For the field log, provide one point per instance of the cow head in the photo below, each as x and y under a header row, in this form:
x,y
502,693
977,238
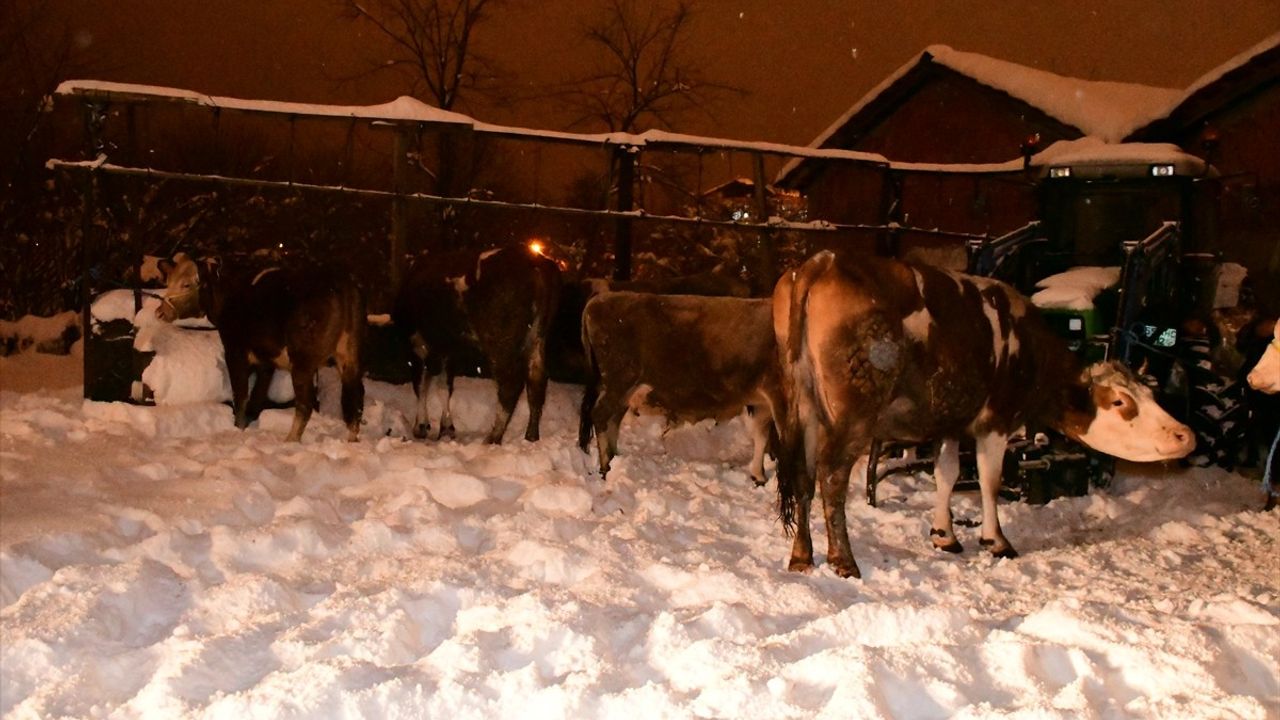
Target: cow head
x,y
1265,376
183,277
1116,413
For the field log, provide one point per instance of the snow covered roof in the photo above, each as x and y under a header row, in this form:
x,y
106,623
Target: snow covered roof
x,y
1103,109
1093,151
1234,63
1109,110
1205,85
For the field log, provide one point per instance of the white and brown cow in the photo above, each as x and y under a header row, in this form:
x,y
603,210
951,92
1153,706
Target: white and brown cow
x,y
294,316
686,357
875,348
1265,375
492,307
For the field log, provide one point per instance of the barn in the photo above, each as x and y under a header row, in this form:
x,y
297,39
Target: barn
x,y
961,129
956,124
1229,117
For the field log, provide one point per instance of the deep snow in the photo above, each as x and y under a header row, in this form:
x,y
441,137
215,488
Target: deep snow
x,y
156,562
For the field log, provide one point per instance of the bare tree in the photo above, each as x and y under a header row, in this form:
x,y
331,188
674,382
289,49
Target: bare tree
x,y
432,42
37,51
645,76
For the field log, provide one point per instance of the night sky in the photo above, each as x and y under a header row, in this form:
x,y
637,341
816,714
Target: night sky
x,y
803,65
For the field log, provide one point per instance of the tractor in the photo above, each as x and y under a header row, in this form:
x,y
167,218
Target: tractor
x,y
1119,260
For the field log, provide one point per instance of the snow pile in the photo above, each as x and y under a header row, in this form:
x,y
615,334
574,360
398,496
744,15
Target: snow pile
x,y
156,562
1074,289
1089,151
187,363
46,334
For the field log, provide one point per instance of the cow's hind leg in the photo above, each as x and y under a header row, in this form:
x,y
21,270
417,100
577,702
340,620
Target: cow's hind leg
x,y
447,430
802,545
238,372
761,428
946,470
990,464
536,388
420,375
834,479
263,373
510,383
352,398
606,417
304,399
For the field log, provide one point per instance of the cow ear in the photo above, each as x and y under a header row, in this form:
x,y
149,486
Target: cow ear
x,y
1087,374
165,266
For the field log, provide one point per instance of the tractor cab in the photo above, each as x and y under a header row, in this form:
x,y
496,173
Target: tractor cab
x,y
1140,209
1115,260
1118,261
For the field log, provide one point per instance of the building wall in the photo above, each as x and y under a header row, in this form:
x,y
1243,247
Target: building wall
x,y
1248,160
946,119
849,193
954,119
983,203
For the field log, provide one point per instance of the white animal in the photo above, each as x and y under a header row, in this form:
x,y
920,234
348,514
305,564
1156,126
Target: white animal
x,y
1265,376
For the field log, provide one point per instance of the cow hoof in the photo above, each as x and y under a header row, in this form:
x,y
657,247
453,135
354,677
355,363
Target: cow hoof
x,y
531,436
954,547
846,571
420,431
1271,503
801,566
1005,552
447,432
759,481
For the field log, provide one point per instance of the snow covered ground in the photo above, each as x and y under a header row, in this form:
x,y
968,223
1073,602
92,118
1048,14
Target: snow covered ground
x,y
156,562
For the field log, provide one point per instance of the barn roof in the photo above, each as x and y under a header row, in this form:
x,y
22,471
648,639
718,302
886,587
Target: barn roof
x,y
1236,78
1103,109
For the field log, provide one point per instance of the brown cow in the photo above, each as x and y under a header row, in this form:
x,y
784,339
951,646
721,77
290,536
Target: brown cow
x,y
497,304
566,356
687,357
875,348
295,318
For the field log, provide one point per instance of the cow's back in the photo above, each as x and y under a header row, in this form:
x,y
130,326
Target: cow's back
x,y
307,307
952,352
692,357
513,290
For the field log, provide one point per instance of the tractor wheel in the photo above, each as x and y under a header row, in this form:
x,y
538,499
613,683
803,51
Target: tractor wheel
x,y
1215,409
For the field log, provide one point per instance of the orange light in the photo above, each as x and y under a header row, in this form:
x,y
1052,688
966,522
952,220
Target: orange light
x,y
535,247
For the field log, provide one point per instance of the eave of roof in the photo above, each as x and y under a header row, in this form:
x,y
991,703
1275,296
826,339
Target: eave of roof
x,y
1213,89
1102,109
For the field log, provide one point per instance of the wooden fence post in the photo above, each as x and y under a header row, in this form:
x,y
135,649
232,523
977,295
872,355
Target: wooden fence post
x,y
95,116
399,209
625,163
766,253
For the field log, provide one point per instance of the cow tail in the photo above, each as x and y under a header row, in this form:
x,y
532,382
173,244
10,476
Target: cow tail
x,y
591,387
795,468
